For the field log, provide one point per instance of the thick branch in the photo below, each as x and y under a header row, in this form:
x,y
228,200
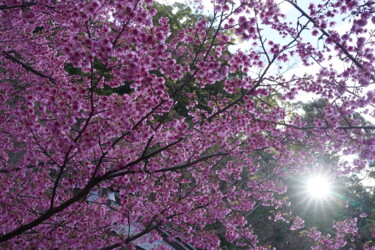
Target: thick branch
x,y
25,66
50,212
176,167
114,173
6,7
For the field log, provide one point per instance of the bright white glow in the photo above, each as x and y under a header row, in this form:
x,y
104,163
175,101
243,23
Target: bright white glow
x,y
318,187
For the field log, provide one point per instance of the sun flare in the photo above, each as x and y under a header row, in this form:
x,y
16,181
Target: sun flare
x,y
318,187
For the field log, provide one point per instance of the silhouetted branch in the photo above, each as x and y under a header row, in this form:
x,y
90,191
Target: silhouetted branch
x,y
27,67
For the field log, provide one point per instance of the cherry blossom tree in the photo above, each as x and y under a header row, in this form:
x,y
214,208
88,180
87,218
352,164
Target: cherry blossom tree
x,y
63,138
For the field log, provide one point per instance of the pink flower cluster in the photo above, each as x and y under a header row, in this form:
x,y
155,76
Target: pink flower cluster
x,y
186,134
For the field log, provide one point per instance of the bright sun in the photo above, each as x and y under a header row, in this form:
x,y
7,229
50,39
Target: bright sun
x,y
318,186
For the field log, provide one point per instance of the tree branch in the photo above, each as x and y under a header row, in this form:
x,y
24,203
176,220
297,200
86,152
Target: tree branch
x,y
6,7
325,33
51,212
320,127
25,66
114,173
176,167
